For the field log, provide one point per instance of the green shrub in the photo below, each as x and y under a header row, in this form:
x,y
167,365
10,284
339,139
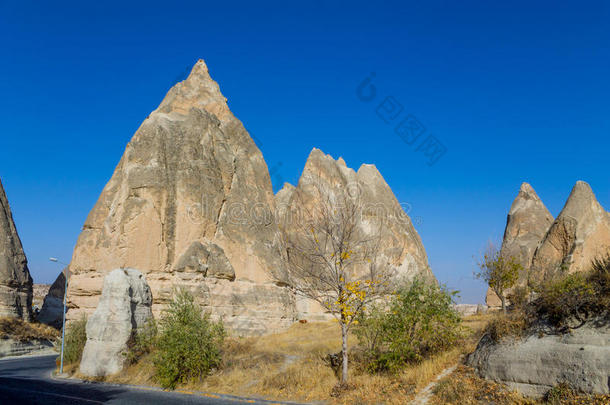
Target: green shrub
x,y
570,299
419,321
188,345
560,394
574,299
75,339
142,342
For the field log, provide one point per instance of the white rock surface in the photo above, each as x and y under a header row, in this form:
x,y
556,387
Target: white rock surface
x,y
536,364
124,307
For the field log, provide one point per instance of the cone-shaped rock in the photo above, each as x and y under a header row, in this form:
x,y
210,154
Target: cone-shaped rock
x,y
15,279
53,305
324,176
190,204
527,223
579,234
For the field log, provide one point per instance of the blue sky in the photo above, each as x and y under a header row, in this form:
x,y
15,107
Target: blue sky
x,y
514,92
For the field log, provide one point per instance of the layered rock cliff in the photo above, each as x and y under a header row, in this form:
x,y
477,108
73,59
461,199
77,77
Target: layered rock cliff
x,y
15,279
190,204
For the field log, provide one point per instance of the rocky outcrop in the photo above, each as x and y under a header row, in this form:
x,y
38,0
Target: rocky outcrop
x,y
526,225
15,279
124,308
326,178
53,305
15,347
190,204
535,364
579,234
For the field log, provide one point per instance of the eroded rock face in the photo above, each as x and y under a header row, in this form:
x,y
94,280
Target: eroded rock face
x,y
124,307
53,305
536,364
15,279
527,223
190,205
580,234
382,214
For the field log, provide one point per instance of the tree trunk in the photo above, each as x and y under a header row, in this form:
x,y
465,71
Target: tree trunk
x,y
503,303
344,353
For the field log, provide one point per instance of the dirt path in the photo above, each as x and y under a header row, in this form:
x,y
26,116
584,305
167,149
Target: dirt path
x,y
424,395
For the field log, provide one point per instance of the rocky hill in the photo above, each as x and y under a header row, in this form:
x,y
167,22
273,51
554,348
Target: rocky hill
x,y
15,279
190,204
545,246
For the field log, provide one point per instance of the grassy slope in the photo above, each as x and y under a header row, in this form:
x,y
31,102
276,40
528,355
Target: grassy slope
x,y
291,365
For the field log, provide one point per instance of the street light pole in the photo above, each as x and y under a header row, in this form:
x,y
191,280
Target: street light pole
x,y
63,324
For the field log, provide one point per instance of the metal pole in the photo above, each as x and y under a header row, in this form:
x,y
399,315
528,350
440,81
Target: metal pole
x,y
63,327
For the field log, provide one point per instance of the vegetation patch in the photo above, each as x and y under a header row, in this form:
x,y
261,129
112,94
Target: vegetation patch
x,y
419,322
76,337
465,387
576,298
188,345
17,329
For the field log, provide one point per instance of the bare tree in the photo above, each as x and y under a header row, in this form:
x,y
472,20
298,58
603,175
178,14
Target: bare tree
x,y
333,260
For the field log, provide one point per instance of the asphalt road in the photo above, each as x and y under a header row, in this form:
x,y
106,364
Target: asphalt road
x,y
28,380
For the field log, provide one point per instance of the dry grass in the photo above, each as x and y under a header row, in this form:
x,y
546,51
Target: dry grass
x,y
464,387
291,366
12,328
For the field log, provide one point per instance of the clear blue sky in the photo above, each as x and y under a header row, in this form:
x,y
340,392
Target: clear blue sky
x,y
515,92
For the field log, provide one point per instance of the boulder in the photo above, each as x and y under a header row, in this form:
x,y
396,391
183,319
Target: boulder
x,y
527,223
53,305
190,204
535,364
124,307
579,234
15,279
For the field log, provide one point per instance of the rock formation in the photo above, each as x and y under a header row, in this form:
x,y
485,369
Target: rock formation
x,y
579,234
323,177
15,279
526,225
547,248
190,204
52,308
125,307
536,364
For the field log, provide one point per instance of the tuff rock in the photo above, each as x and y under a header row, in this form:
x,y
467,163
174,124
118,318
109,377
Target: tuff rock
x,y
579,234
51,312
535,364
190,204
123,309
15,279
526,225
326,178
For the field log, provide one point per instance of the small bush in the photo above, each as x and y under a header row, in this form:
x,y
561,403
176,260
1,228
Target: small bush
x,y
76,337
573,298
420,321
142,342
189,343
519,297
512,324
